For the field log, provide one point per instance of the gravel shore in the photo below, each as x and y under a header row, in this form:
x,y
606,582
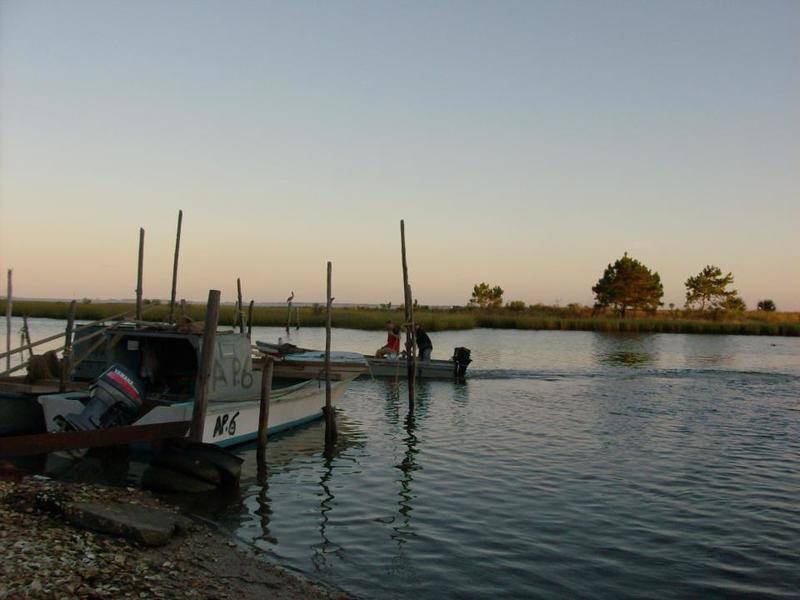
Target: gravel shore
x,y
44,556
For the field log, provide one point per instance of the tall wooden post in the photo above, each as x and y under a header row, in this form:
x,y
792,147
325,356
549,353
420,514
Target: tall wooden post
x,y
26,335
139,276
250,320
206,366
9,299
263,413
289,311
175,269
410,354
66,361
330,415
240,307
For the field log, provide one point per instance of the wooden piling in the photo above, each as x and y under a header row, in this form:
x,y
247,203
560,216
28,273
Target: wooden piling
x,y
330,415
175,269
240,306
26,335
205,367
409,315
66,361
9,300
263,413
289,311
139,276
250,319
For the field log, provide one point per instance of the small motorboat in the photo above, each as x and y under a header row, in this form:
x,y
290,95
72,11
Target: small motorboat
x,y
296,360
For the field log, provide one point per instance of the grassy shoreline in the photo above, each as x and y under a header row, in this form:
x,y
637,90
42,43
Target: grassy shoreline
x,y
546,318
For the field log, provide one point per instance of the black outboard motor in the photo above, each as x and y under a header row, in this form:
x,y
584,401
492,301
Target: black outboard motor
x,y
461,358
115,399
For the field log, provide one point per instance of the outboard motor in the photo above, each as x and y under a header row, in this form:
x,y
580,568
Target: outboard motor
x,y
461,358
115,399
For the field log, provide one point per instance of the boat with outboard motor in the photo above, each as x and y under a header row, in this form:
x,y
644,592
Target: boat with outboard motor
x,y
149,379
390,366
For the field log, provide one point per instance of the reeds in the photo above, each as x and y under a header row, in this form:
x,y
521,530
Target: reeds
x,y
546,318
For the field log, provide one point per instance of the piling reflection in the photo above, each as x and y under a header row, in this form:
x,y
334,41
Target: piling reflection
x,y
403,530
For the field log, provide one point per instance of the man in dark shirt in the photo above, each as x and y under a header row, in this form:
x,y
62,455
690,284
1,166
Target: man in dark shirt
x,y
424,344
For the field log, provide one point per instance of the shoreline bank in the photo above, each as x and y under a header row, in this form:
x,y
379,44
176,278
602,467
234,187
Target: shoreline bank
x,y
48,556
373,319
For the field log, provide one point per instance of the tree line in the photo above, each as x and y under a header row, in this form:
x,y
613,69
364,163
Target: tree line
x,y
628,285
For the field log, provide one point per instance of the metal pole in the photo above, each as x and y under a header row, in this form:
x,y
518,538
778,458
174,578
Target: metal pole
x,y
206,365
175,269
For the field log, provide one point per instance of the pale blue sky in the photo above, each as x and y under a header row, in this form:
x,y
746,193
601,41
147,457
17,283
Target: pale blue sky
x,y
526,144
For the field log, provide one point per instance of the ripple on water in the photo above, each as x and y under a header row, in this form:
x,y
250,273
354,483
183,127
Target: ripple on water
x,y
670,477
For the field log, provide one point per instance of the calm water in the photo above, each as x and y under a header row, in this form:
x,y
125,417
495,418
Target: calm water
x,y
569,464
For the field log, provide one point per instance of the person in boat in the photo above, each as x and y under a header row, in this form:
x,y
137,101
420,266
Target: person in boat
x,y
424,343
392,346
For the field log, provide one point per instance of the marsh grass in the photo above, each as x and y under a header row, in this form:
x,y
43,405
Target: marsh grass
x,y
570,318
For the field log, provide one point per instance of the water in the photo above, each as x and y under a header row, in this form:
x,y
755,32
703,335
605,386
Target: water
x,y
569,464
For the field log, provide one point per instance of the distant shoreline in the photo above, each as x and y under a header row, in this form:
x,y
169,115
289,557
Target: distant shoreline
x,y
533,318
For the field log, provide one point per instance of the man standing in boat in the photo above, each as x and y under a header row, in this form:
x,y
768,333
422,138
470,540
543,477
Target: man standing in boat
x,y
392,346
424,343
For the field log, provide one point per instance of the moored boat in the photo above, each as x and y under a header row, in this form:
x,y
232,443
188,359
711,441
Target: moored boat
x,y
150,379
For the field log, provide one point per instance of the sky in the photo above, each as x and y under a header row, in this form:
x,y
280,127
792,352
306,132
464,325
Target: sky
x,y
526,144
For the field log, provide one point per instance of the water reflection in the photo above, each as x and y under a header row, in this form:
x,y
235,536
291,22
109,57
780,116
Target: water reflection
x,y
402,530
325,545
630,350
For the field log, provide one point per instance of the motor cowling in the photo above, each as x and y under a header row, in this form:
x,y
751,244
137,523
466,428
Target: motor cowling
x,y
115,399
461,358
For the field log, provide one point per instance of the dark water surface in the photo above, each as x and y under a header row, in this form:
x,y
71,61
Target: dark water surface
x,y
569,464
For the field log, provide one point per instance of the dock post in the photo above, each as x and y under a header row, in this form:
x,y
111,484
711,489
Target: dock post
x,y
410,357
9,297
66,361
205,367
240,306
250,319
26,336
289,311
330,414
263,413
175,269
139,276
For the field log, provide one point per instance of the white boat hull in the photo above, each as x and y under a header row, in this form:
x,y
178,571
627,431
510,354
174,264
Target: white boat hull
x,y
227,423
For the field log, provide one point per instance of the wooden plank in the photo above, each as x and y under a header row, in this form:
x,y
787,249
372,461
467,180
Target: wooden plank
x,y
116,317
25,445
